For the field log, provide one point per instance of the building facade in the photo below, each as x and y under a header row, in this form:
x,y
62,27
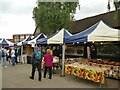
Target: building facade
x,y
20,37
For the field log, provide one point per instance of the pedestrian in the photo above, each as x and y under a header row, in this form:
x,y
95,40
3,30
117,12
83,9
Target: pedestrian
x,y
56,58
48,58
19,55
3,57
56,52
0,52
36,63
16,55
8,55
13,56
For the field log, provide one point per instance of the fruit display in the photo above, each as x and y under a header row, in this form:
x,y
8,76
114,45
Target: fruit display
x,y
113,68
69,69
93,73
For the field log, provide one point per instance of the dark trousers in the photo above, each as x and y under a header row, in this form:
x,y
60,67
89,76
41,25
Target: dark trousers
x,y
38,66
50,72
16,59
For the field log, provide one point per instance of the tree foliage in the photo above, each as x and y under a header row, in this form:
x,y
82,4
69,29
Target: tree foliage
x,y
117,5
52,16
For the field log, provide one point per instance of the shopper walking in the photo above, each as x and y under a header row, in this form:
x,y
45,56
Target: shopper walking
x,y
48,58
0,51
36,63
13,56
19,55
16,55
3,57
8,56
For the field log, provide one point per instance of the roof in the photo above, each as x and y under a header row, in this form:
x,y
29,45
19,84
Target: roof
x,y
98,32
83,24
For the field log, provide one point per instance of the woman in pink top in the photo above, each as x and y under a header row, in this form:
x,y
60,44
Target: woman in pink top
x,y
48,58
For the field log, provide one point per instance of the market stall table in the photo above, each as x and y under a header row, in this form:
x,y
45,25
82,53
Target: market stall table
x,y
93,73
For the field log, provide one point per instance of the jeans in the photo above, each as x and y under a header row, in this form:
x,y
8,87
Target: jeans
x,y
13,61
38,66
3,61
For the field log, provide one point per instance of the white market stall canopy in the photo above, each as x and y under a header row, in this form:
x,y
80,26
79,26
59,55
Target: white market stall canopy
x,y
98,32
44,40
40,36
27,39
59,37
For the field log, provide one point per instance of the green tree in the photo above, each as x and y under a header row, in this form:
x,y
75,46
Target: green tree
x,y
52,16
117,4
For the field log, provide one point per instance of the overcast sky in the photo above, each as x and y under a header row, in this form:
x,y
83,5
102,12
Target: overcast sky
x,y
16,15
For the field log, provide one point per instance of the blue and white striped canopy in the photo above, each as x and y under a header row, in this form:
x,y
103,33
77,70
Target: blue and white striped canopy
x,y
5,42
44,40
24,41
98,32
40,36
56,38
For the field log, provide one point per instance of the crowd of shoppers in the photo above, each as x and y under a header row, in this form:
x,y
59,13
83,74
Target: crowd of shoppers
x,y
39,55
8,54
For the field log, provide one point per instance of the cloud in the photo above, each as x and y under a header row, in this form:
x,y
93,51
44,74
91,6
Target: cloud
x,y
91,8
17,25
16,7
16,17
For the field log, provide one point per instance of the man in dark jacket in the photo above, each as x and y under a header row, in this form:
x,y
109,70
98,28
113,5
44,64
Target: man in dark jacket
x,y
36,63
0,51
16,55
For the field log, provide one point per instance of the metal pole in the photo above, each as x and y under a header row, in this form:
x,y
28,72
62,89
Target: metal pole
x,y
88,52
63,59
21,54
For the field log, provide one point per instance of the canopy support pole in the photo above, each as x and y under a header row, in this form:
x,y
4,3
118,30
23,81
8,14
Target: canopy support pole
x,y
88,52
63,60
21,59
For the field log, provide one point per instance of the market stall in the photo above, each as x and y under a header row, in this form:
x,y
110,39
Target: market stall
x,y
25,40
24,49
96,33
93,73
94,70
33,41
5,42
99,32
57,38
112,68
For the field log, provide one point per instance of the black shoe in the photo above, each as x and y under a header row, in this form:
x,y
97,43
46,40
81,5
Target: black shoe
x,y
50,78
31,77
39,79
